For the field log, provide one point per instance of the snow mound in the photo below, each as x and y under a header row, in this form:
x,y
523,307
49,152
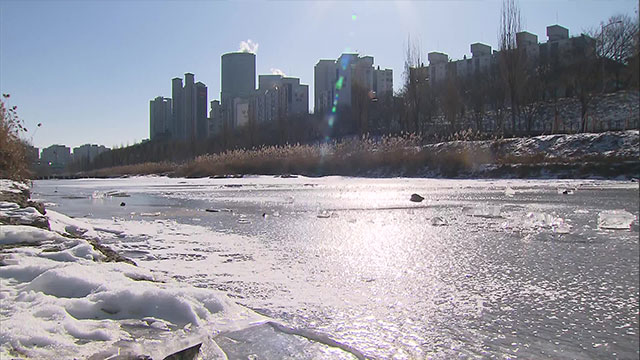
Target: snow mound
x,y
15,234
65,225
13,186
21,216
59,301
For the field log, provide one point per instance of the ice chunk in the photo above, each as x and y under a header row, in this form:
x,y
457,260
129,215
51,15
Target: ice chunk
x,y
560,227
489,211
97,195
151,214
543,220
324,214
615,219
438,221
535,219
509,192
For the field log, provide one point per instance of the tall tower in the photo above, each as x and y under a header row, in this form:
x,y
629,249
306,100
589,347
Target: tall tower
x,y
177,120
201,111
238,81
189,107
159,118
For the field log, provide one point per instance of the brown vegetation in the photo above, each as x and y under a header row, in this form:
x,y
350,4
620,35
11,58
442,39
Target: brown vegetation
x,y
463,155
13,155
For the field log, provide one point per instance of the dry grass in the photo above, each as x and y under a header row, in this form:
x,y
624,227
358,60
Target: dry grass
x,y
149,168
13,156
386,156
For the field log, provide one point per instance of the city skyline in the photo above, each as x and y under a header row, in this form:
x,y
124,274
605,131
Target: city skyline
x,y
86,80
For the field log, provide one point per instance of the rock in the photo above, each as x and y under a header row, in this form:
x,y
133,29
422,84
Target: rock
x,y
416,198
38,206
212,210
122,204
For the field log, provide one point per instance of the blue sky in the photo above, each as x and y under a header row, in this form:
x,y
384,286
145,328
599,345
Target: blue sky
x,y
86,70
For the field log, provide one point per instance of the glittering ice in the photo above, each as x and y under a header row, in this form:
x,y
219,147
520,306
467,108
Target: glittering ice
x,y
615,219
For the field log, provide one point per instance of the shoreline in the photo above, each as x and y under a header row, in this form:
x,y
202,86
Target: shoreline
x,y
608,155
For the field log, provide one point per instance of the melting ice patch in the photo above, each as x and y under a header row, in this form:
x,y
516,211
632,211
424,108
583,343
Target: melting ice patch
x,y
615,220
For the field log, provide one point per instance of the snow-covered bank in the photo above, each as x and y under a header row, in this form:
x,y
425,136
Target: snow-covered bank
x,y
59,300
583,155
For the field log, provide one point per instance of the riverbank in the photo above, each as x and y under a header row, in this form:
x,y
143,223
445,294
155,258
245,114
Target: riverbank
x,y
605,155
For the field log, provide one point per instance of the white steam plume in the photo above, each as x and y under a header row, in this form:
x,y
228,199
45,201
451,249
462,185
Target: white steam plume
x,y
249,46
275,71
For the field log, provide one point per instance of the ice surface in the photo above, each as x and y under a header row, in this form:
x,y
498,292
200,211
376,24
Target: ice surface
x,y
615,219
282,280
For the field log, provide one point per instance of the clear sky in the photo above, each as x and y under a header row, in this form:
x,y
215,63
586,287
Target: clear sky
x,y
86,70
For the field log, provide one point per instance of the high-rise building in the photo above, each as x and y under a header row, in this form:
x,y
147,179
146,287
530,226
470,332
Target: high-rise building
x,y
177,122
201,111
559,49
189,107
215,119
324,82
160,118
88,152
334,80
382,82
279,97
56,156
238,83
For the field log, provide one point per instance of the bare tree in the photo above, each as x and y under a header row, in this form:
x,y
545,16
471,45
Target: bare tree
x,y
477,97
617,38
531,97
510,57
452,103
496,94
360,102
412,84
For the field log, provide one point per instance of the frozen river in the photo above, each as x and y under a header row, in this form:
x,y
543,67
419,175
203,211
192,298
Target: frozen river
x,y
480,268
